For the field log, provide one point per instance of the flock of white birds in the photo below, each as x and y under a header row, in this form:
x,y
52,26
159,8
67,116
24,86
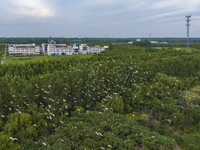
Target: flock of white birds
x,y
85,83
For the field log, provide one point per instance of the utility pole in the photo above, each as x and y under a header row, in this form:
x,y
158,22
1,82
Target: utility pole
x,y
188,24
149,37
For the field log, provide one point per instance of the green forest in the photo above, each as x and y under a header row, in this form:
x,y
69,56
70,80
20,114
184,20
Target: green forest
x,y
129,97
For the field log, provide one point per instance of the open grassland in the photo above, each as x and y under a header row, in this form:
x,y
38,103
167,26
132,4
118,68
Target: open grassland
x,y
29,58
119,51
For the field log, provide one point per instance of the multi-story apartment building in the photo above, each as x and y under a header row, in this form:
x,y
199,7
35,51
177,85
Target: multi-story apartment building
x,y
59,49
54,49
21,49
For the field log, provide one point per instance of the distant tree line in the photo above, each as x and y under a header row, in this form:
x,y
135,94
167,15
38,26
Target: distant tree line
x,y
96,41
142,43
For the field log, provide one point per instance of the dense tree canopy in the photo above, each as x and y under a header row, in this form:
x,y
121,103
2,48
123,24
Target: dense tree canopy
x,y
124,98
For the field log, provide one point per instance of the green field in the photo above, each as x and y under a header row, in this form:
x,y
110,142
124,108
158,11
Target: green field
x,y
24,59
29,58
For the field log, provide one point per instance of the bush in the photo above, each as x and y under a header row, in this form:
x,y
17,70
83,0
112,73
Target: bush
x,y
112,103
23,126
6,142
96,130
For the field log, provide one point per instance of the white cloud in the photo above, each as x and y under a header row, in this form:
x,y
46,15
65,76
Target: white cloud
x,y
196,17
32,8
165,4
97,17
101,2
190,5
170,9
162,15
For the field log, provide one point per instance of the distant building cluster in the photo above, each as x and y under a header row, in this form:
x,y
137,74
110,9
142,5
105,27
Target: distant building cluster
x,y
152,42
156,42
54,49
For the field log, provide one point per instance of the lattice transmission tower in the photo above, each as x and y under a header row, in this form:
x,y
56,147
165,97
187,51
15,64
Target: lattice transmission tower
x,y
188,24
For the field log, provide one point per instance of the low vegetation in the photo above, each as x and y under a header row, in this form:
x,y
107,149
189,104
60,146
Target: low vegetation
x,y
22,59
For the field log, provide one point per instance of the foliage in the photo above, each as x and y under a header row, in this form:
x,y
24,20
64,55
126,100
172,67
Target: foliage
x,y
142,43
6,143
24,126
77,110
40,102
2,50
112,103
30,144
189,142
95,130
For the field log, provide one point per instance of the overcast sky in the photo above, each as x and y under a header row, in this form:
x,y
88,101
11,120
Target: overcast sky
x,y
98,18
